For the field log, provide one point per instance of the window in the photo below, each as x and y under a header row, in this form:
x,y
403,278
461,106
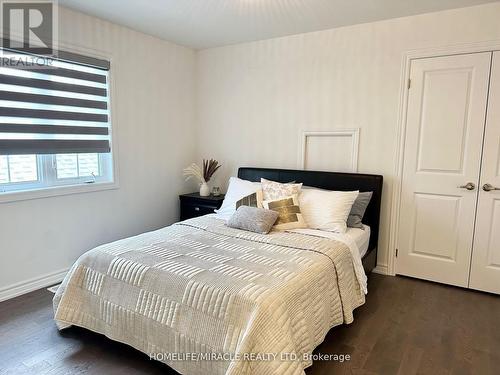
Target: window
x,y
54,121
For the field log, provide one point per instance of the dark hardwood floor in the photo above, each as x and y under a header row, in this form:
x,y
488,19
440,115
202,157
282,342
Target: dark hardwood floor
x,y
407,326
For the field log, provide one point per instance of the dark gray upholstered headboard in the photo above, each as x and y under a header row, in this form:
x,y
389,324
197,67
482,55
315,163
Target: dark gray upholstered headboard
x,y
329,181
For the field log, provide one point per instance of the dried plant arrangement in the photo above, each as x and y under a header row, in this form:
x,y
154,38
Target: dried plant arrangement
x,y
209,168
203,175
194,170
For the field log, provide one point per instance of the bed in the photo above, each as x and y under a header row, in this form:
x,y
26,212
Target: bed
x,y
208,299
333,181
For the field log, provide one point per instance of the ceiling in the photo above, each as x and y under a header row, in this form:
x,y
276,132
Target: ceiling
x,y
211,23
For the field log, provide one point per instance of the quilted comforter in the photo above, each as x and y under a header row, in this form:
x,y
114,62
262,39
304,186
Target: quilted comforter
x,y
208,299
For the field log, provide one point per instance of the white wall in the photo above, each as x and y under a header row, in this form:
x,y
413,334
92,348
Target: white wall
x,y
251,101
153,102
254,99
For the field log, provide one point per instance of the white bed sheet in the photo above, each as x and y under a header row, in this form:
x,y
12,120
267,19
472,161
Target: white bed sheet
x,y
360,237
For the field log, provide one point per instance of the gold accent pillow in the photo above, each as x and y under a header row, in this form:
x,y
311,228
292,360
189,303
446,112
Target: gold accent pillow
x,y
290,216
273,190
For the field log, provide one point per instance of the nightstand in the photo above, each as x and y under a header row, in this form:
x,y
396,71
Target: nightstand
x,y
193,205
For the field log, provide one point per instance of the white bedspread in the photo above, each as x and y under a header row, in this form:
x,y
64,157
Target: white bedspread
x,y
353,247
201,288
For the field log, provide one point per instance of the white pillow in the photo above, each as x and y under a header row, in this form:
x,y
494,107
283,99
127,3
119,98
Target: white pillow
x,y
327,210
237,190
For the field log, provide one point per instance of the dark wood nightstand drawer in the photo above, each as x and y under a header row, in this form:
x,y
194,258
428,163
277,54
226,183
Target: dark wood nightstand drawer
x,y
192,205
193,210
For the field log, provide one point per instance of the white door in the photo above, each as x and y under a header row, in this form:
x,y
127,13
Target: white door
x,y
485,267
444,136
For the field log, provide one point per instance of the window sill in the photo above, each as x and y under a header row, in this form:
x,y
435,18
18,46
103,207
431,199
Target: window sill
x,y
56,191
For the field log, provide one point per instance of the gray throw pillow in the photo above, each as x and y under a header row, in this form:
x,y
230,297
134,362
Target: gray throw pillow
x,y
358,210
253,219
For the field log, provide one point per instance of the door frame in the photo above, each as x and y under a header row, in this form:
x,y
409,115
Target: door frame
x,y
408,56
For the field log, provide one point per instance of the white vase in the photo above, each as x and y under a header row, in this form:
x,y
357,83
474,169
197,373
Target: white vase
x,y
204,190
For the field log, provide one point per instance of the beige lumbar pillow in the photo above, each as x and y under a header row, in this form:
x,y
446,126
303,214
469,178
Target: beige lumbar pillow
x,y
289,214
273,190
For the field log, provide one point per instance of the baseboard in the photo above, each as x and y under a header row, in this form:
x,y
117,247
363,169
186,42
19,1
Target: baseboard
x,y
31,285
381,269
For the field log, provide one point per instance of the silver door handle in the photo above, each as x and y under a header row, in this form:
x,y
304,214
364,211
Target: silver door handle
x,y
489,187
468,186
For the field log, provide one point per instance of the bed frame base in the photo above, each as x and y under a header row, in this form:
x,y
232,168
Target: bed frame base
x,y
370,261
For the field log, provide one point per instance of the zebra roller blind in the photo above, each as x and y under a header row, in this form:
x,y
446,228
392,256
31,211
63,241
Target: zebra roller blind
x,y
54,106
